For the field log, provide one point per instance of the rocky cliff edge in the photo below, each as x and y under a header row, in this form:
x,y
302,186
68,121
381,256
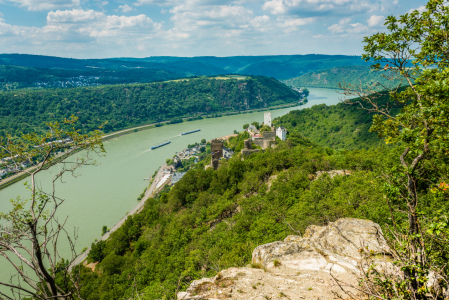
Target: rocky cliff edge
x,y
300,267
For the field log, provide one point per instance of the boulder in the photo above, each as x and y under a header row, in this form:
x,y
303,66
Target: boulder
x,y
344,243
300,267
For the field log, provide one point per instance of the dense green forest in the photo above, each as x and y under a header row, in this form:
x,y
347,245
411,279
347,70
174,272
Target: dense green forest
x,y
123,106
355,75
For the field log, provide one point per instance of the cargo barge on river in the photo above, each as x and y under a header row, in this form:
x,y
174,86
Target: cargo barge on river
x,y
189,132
160,145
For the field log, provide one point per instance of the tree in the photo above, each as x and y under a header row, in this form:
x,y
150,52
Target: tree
x,y
415,50
30,232
203,141
265,128
256,124
245,126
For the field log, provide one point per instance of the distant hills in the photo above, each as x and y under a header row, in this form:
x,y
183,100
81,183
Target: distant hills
x,y
330,78
279,67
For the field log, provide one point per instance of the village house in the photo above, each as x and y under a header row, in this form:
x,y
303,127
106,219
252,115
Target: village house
x,y
227,153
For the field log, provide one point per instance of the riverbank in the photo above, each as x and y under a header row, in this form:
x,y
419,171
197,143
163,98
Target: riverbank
x,y
24,174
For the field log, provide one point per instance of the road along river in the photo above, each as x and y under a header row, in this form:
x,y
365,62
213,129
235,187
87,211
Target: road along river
x,y
103,194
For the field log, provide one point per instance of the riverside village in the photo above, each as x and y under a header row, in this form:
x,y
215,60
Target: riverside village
x,y
260,137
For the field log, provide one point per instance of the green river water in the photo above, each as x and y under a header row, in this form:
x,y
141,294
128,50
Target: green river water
x,y
103,194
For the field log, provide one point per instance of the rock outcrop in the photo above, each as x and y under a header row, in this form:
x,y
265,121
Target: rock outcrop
x,y
299,267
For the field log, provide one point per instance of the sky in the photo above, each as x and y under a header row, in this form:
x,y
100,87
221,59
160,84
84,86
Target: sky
x,y
143,28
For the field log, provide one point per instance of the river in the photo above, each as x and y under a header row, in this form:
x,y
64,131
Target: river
x,y
103,194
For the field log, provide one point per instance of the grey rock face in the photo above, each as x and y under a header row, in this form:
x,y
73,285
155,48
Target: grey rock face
x,y
343,243
300,267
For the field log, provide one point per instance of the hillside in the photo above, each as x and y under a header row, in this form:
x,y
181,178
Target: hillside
x,y
340,126
124,106
330,78
337,126
213,220
16,77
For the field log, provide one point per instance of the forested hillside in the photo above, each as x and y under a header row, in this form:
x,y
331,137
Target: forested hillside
x,y
130,105
212,220
331,78
338,126
15,77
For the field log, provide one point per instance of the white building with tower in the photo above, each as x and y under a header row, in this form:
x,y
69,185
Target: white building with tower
x,y
281,133
267,119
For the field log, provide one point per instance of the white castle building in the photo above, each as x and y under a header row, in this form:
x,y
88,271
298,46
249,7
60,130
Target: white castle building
x,y
267,119
281,133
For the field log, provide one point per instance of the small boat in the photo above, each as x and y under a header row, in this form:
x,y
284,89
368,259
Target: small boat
x,y
188,132
160,145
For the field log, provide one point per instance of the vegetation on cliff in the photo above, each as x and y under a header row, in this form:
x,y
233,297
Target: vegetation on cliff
x,y
332,78
211,220
123,106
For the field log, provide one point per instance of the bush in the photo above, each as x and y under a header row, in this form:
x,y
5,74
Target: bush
x,y
97,251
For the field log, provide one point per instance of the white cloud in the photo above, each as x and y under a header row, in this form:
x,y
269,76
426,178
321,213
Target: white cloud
x,y
78,28
46,4
74,15
125,8
420,9
189,3
357,28
344,27
375,21
310,8
339,28
295,22
275,7
260,21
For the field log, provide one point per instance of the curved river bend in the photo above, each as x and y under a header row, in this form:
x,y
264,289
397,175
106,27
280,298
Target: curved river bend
x,y
105,193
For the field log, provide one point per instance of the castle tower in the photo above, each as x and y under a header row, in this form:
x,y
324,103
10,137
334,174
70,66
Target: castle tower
x,y
216,147
267,119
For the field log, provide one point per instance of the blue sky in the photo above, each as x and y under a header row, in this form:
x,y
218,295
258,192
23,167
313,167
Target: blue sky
x,y
142,28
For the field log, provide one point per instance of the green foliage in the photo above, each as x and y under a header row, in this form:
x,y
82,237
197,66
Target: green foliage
x,y
415,49
124,106
104,230
245,126
256,124
265,128
332,78
15,77
97,251
235,143
182,235
338,126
